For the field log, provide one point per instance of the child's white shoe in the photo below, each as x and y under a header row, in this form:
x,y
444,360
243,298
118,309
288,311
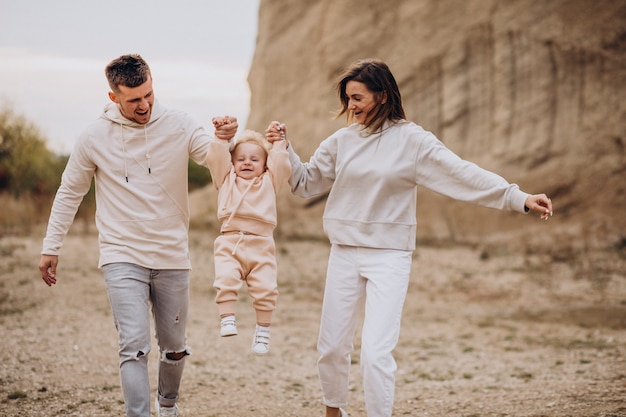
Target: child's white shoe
x,y
261,341
228,326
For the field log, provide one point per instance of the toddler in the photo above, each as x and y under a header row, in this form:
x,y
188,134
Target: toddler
x,y
247,174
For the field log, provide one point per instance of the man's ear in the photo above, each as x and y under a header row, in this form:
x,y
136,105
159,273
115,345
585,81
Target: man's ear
x,y
113,97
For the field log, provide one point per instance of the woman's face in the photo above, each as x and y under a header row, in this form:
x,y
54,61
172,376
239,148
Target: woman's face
x,y
361,101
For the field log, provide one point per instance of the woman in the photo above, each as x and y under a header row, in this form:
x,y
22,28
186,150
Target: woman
x,y
372,168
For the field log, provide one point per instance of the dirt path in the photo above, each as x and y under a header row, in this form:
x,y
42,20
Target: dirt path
x,y
485,333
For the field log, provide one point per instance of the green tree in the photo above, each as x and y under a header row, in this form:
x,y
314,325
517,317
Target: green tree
x,y
199,176
26,164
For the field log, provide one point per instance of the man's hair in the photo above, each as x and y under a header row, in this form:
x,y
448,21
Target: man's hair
x,y
251,136
377,77
128,70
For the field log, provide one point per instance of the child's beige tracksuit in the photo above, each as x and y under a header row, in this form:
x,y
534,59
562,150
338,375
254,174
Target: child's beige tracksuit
x,y
245,249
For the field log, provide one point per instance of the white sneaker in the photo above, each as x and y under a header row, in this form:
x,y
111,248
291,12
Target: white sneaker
x,y
165,411
228,326
261,341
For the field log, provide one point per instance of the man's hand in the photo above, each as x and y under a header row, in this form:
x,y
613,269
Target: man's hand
x,y
48,268
225,127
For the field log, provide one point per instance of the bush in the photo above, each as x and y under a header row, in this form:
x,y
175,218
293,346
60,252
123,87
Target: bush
x,y
199,176
27,166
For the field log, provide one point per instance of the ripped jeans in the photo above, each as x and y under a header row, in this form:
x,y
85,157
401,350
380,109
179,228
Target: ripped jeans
x,y
131,289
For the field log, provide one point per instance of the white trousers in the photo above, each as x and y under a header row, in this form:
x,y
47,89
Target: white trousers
x,y
374,281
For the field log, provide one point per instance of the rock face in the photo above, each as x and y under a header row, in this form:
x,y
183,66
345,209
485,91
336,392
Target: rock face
x,y
534,90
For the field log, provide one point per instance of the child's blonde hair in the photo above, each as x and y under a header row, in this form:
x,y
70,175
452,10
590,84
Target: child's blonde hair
x,y
251,136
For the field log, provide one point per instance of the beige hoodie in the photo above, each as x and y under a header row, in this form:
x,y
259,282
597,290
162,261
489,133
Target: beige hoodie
x,y
140,172
248,205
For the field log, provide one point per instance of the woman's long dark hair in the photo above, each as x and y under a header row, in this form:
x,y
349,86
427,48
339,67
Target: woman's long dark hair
x,y
377,77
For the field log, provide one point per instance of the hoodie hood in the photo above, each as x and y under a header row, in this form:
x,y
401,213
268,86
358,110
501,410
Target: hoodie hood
x,y
112,113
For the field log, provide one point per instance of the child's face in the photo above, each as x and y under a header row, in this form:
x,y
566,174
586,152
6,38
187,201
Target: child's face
x,y
249,160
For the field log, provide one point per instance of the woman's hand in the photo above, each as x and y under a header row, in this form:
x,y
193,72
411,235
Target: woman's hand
x,y
276,131
540,203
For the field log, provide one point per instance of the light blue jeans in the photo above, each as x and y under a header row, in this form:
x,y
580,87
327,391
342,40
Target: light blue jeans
x,y
131,290
371,281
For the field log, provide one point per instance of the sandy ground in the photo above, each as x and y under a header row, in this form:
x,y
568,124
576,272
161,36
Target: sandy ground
x,y
486,332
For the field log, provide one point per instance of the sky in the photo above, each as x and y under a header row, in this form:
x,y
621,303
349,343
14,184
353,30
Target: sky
x,y
53,54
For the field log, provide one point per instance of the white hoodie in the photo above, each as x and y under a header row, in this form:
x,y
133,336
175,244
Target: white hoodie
x,y
373,180
140,171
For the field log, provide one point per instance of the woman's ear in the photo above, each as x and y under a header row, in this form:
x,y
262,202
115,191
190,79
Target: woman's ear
x,y
384,98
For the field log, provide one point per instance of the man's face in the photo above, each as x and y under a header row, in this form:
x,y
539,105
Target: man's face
x,y
135,103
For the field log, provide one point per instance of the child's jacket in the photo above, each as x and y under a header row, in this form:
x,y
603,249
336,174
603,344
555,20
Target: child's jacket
x,y
248,206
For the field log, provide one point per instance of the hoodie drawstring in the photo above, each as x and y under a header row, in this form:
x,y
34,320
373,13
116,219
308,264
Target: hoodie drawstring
x,y
145,135
243,195
124,152
148,156
232,214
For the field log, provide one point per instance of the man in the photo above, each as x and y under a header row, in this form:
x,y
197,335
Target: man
x,y
138,153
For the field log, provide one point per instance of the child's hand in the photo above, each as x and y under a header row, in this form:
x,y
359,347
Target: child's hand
x,y
225,127
276,131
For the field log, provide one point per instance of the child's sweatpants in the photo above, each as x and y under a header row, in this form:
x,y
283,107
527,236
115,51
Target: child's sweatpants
x,y
243,257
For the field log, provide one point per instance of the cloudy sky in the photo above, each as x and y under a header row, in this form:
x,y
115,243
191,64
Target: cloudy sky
x,y
53,54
